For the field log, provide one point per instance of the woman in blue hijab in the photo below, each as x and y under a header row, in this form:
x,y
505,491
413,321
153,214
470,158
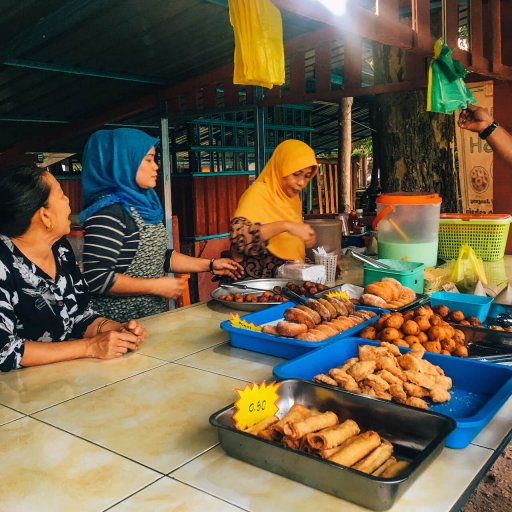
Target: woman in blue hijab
x,y
125,246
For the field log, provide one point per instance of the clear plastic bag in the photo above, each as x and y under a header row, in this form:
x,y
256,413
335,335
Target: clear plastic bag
x,y
302,271
467,270
259,49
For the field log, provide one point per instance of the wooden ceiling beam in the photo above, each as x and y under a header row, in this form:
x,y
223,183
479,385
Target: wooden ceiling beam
x,y
356,20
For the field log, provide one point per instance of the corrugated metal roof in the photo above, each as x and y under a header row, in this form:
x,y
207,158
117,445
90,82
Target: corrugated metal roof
x,y
66,61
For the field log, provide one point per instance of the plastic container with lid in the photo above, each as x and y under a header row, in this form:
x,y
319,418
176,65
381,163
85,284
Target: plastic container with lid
x,y
486,233
408,226
328,235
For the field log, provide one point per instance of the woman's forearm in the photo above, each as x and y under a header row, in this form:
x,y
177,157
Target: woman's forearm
x,y
501,143
128,285
38,353
182,263
273,229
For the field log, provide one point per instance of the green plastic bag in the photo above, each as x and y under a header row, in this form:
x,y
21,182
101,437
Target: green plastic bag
x,y
447,91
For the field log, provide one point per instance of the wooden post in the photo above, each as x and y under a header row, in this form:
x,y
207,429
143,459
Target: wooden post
x,y
345,150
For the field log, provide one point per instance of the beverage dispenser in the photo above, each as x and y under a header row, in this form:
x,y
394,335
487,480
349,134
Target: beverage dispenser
x,y
407,225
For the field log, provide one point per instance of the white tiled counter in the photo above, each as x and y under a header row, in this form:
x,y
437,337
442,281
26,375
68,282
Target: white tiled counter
x,y
133,434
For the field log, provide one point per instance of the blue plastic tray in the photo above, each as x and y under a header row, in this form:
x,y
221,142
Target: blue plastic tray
x,y
479,389
279,346
470,305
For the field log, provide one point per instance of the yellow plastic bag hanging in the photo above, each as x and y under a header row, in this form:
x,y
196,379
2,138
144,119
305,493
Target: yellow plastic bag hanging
x,y
467,269
259,50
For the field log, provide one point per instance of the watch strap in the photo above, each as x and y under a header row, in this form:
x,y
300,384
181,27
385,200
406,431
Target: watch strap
x,y
485,133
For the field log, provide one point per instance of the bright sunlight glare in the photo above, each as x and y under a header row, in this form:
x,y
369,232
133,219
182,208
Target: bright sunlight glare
x,y
337,7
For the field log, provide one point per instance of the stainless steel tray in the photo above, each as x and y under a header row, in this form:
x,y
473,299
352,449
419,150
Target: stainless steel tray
x,y
418,436
260,284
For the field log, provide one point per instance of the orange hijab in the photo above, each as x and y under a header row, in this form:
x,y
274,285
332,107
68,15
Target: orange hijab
x,y
264,201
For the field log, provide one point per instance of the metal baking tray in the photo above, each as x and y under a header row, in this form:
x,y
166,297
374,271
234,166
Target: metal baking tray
x,y
417,302
482,335
417,436
479,388
260,284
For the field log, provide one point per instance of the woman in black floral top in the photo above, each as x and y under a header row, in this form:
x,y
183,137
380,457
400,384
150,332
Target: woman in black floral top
x,y
43,297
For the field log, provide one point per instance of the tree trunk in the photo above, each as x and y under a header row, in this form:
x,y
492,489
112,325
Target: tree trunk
x,y
345,167
415,147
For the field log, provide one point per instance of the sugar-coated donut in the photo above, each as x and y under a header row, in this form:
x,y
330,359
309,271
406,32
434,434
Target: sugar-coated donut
x,y
290,329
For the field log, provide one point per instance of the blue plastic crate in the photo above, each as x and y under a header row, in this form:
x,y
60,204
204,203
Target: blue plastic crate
x,y
470,305
479,389
280,346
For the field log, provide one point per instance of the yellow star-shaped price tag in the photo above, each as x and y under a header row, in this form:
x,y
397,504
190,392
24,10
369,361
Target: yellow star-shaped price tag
x,y
255,403
338,295
236,321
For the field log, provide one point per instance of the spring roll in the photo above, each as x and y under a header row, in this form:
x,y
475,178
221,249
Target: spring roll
x,y
262,425
376,458
325,454
383,467
333,436
297,412
395,469
291,442
266,434
311,424
359,447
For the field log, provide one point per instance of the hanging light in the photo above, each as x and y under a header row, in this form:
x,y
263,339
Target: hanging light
x,y
337,7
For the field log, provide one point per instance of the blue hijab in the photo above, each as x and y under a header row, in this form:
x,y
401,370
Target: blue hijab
x,y
109,166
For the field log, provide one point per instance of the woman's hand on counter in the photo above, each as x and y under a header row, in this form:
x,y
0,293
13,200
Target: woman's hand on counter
x,y
112,344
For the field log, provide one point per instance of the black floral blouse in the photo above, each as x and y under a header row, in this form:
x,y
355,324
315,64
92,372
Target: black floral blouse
x,y
250,250
35,307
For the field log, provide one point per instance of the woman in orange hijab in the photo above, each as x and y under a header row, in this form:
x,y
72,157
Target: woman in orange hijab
x,y
267,229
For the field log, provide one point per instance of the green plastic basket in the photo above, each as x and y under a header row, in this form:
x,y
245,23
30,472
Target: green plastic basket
x,y
486,233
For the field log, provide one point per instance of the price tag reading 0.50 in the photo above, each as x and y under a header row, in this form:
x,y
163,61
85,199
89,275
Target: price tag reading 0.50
x,y
255,403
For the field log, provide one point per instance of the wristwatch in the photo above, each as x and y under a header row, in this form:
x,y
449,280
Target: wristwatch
x,y
485,133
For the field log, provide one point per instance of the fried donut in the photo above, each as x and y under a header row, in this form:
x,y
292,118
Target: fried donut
x,y
320,335
371,299
396,320
335,326
457,316
369,333
381,290
290,329
340,308
316,317
442,310
395,285
270,329
363,314
299,316
408,293
330,331
342,323
319,308
311,335
348,304
389,334
332,310
474,321
423,322
411,328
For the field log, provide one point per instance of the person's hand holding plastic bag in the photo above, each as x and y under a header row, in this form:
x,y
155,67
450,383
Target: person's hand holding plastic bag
x,y
467,270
